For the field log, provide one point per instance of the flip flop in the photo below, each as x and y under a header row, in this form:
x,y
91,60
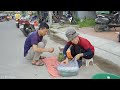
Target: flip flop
x,y
34,62
42,57
39,63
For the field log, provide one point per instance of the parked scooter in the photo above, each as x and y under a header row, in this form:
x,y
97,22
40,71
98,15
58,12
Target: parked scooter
x,y
105,22
67,19
27,27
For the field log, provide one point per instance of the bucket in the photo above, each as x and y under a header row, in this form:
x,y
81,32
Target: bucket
x,y
105,76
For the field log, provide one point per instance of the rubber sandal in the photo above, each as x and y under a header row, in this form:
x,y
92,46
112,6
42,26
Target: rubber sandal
x,y
39,63
34,62
42,57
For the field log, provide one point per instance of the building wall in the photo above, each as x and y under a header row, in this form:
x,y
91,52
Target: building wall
x,y
83,14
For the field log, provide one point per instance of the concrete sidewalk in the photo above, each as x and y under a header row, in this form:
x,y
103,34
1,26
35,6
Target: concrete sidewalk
x,y
104,48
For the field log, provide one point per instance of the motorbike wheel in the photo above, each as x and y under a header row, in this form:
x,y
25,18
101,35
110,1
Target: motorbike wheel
x,y
107,28
97,28
118,21
73,21
24,32
17,25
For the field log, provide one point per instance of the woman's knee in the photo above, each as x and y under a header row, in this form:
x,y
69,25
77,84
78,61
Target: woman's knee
x,y
72,49
78,49
75,49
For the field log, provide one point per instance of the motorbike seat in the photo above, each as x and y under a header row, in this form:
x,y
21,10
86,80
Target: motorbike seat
x,y
100,16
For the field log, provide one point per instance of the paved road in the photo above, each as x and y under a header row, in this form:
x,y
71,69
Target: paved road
x,y
13,64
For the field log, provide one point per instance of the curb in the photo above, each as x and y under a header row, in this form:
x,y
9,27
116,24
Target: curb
x,y
99,52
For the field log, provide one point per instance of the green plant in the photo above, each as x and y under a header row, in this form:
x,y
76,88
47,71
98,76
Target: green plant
x,y
77,19
60,57
87,22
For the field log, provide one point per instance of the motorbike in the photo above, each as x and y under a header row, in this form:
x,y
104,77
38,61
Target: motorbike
x,y
105,22
56,18
7,18
1,19
27,27
67,19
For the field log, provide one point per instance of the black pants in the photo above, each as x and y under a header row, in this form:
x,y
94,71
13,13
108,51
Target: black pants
x,y
76,49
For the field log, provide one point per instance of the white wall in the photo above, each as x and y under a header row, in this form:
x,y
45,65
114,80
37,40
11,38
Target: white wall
x,y
83,14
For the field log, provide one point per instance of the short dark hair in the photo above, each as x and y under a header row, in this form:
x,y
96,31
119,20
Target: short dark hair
x,y
43,25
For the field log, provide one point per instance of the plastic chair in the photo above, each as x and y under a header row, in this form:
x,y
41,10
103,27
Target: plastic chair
x,y
87,61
